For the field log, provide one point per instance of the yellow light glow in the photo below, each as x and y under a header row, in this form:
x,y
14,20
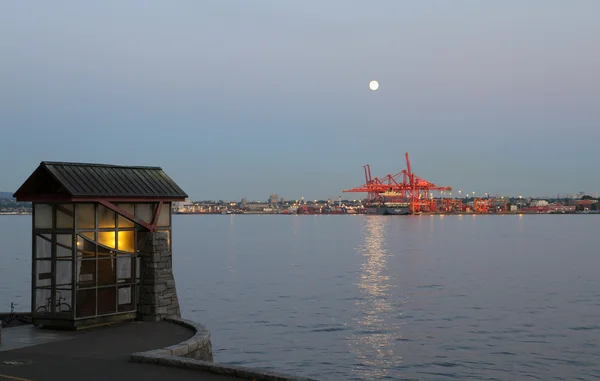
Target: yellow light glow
x,y
107,239
373,85
126,240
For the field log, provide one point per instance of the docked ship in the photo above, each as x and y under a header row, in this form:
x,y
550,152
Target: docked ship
x,y
389,208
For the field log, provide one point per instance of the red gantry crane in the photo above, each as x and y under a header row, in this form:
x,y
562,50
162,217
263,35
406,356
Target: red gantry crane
x,y
404,186
487,205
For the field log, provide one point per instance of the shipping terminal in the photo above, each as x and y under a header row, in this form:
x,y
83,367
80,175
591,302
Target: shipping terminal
x,y
404,193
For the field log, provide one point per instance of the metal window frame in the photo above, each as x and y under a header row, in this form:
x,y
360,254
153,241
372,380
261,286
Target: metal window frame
x,y
53,231
117,254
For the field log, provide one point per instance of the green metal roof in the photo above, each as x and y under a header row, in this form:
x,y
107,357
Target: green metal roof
x,y
103,181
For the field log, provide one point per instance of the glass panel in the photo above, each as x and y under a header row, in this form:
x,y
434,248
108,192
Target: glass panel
x,y
124,273
89,235
43,246
86,218
43,300
104,252
165,215
64,216
85,247
86,303
144,212
43,271
125,222
64,273
107,300
125,295
63,302
43,216
64,246
107,272
86,274
126,241
106,217
168,237
125,299
107,239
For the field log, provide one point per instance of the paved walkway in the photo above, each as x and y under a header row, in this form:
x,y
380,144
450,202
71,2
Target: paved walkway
x,y
99,354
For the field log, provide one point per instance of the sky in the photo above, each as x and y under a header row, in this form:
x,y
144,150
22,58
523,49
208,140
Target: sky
x,y
246,98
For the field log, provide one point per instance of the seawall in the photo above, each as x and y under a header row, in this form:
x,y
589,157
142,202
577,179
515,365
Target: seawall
x,y
196,354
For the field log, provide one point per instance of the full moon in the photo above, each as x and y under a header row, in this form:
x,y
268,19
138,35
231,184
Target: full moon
x,y
373,85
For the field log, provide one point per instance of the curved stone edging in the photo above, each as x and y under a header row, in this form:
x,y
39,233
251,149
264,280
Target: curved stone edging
x,y
228,370
196,353
197,347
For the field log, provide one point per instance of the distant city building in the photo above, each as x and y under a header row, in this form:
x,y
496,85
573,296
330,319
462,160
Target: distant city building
x,y
583,204
274,199
182,205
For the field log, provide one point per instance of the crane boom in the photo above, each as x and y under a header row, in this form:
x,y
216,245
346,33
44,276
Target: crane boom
x,y
404,186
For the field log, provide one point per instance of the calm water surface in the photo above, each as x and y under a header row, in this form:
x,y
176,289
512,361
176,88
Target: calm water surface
x,y
380,297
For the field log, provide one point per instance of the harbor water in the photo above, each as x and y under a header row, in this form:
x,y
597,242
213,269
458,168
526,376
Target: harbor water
x,y
360,297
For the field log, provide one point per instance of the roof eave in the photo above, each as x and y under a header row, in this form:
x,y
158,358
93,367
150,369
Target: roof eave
x,y
81,199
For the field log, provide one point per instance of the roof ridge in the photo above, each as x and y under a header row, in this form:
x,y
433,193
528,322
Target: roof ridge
x,y
66,163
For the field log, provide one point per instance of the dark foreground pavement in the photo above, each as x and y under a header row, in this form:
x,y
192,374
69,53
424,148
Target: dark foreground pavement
x,y
101,354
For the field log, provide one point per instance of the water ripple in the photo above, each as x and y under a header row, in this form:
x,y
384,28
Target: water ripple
x,y
375,298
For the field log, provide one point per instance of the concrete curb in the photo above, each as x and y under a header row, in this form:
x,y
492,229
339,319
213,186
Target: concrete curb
x,y
196,354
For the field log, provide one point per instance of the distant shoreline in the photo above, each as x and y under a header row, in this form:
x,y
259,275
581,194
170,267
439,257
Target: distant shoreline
x,y
365,214
350,214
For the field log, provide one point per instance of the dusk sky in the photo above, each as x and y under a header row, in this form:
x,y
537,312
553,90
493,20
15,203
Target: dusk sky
x,y
243,98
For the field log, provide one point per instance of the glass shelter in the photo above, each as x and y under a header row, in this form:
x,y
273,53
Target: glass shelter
x,y
86,225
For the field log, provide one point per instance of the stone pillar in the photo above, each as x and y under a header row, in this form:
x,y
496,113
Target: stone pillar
x,y
157,293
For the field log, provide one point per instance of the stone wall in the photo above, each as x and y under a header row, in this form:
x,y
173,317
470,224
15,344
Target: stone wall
x,y
198,347
157,293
